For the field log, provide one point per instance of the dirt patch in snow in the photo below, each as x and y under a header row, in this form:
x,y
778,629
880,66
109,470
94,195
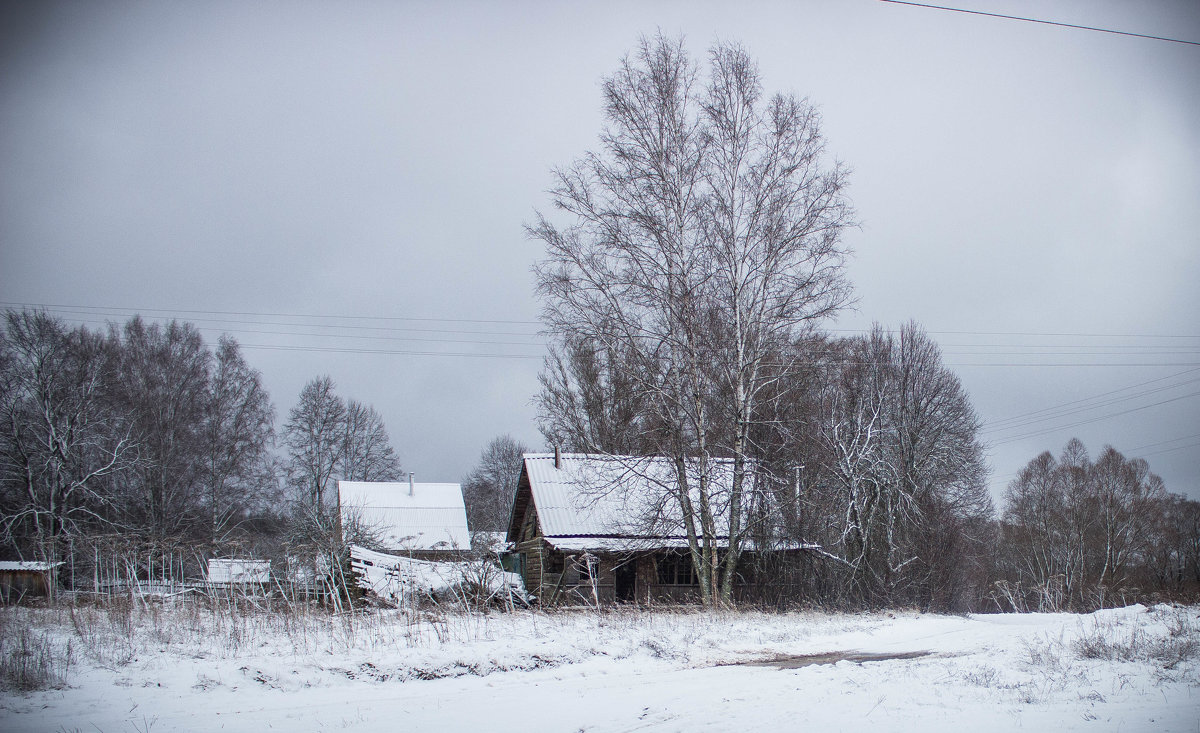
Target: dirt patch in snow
x,y
796,661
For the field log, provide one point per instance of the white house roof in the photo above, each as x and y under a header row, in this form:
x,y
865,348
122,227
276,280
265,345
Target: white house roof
x,y
227,571
616,502
431,517
31,565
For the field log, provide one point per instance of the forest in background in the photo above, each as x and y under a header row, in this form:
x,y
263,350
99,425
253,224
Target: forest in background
x,y
142,441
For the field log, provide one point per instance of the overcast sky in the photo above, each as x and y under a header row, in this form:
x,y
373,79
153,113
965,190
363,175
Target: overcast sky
x,y
357,175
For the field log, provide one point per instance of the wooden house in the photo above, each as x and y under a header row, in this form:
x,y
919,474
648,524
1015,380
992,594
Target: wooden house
x,y
603,529
421,520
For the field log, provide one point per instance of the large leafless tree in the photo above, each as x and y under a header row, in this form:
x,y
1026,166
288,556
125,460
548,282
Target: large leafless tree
x,y
61,440
162,386
489,489
328,439
705,230
900,454
1076,530
237,437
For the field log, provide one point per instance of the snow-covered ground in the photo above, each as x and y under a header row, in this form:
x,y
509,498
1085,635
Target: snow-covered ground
x,y
190,669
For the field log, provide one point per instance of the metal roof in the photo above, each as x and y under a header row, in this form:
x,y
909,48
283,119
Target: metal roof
x,y
430,516
32,565
601,501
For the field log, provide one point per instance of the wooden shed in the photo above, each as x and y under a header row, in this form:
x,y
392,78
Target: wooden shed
x,y
26,578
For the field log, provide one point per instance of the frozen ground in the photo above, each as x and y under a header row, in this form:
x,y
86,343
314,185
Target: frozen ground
x,y
191,669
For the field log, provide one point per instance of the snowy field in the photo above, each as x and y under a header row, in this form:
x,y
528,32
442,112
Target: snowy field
x,y
187,668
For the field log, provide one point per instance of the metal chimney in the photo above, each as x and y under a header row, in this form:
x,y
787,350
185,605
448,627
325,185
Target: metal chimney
x,y
557,458
411,488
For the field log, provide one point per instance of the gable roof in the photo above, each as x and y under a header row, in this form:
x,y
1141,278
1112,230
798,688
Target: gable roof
x,y
36,566
612,502
432,517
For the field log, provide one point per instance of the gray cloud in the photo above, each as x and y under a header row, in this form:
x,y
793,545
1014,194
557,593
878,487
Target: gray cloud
x,y
380,159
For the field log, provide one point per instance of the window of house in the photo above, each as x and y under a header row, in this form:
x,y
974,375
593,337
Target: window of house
x,y
676,569
582,576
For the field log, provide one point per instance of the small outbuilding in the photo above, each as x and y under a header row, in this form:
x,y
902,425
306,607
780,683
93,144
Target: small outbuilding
x,y
234,573
26,578
421,520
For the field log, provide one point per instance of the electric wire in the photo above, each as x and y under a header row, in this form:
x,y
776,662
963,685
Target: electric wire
x,y
132,311
1059,428
272,315
1086,408
358,329
1024,415
1041,21
1165,442
1170,450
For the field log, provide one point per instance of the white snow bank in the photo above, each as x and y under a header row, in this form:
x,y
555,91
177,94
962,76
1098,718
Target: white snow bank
x,y
180,668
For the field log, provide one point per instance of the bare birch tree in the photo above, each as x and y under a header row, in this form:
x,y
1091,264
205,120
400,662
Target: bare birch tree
x,y
327,439
705,230
1076,530
367,453
60,440
901,449
489,489
237,437
315,435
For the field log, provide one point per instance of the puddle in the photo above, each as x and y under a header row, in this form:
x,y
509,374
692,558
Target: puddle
x,y
796,661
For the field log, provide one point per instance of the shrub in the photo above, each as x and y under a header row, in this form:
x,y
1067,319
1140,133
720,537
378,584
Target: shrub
x,y
30,661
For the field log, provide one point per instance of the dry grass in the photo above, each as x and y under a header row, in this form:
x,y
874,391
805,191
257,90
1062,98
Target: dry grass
x,y
1178,643
32,660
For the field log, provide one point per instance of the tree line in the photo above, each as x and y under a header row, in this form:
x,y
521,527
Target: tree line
x,y
692,262
143,434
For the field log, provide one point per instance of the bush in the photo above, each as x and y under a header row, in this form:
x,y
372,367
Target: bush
x,y
30,661
1113,643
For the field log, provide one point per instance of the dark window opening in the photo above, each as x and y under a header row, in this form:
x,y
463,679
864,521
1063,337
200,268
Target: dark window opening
x,y
676,569
625,579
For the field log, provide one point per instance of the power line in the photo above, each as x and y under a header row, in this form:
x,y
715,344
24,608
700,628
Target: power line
x,y
1041,21
1015,438
1102,394
1165,442
271,347
1169,450
367,336
538,341
125,311
1038,334
1057,411
343,326
270,315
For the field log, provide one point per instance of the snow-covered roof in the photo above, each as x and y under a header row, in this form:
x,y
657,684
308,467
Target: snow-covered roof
x,y
431,516
31,565
227,571
617,502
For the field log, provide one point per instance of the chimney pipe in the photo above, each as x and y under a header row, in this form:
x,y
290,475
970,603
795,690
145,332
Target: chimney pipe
x,y
410,484
557,458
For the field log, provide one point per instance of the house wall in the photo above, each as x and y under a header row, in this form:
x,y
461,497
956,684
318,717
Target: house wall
x,y
771,584
575,589
16,584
